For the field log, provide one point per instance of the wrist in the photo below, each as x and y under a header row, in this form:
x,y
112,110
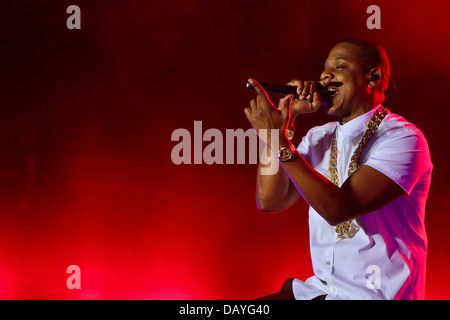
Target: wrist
x,y
277,142
276,139
292,119
287,153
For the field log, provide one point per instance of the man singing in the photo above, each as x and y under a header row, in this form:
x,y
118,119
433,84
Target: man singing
x,y
365,177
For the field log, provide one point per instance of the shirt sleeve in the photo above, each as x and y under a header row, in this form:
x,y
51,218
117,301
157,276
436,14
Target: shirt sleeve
x,y
402,155
303,148
316,141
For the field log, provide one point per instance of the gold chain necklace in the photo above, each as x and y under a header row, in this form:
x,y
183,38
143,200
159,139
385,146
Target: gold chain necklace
x,y
344,228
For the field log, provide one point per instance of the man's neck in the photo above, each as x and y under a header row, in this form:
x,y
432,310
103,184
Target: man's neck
x,y
357,113
359,108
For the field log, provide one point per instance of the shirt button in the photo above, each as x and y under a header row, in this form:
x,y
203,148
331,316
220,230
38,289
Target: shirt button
x,y
328,263
333,289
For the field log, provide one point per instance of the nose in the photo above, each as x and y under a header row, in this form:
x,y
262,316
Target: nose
x,y
326,76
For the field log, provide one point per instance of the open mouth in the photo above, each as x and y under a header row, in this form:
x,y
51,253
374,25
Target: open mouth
x,y
331,92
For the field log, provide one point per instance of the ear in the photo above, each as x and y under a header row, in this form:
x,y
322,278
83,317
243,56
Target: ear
x,y
374,77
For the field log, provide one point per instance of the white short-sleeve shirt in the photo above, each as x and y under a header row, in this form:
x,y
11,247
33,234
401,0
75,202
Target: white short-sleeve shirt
x,y
385,255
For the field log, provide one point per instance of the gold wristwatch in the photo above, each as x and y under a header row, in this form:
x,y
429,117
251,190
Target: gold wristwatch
x,y
286,153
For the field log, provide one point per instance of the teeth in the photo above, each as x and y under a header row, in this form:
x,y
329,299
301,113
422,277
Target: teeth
x,y
332,91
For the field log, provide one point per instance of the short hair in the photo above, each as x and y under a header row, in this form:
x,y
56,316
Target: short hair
x,y
373,56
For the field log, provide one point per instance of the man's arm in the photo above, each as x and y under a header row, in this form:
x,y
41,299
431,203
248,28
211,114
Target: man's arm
x,y
274,192
366,190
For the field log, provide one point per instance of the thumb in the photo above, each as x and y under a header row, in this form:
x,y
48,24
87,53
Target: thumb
x,y
317,102
285,104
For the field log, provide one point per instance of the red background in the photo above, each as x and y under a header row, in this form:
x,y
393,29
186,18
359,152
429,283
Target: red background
x,y
86,118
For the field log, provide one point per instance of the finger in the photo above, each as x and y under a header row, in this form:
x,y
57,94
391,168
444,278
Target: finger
x,y
259,90
285,103
300,87
248,113
312,89
294,82
305,92
253,105
325,82
317,101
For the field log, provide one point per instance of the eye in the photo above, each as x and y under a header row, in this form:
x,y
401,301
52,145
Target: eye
x,y
339,67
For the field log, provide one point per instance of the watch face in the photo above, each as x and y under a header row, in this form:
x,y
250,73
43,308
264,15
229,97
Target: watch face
x,y
285,154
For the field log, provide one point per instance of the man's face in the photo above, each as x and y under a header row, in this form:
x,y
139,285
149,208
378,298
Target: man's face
x,y
346,78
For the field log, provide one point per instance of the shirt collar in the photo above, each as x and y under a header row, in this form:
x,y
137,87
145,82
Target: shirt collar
x,y
355,126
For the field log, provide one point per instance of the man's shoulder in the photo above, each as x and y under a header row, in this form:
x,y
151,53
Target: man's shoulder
x,y
395,125
323,129
396,133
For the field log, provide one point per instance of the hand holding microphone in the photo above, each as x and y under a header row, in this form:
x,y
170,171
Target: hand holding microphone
x,y
308,96
294,87
262,114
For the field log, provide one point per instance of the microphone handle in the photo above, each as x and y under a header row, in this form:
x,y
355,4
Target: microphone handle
x,y
283,90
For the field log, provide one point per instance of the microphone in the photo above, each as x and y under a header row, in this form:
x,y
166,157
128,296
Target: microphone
x,y
284,90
